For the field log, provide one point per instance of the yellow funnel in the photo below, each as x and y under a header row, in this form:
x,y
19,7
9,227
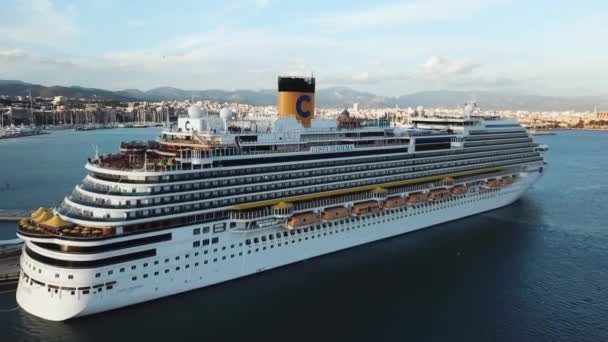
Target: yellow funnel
x,y
296,98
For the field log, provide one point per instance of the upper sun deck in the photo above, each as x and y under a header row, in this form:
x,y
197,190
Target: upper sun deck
x,y
200,139
212,131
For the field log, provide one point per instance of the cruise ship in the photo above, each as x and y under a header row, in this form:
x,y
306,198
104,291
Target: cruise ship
x,y
219,196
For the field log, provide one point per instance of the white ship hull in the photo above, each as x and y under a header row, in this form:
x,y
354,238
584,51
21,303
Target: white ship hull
x,y
234,262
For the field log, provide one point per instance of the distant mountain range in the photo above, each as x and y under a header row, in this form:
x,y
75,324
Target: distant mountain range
x,y
326,97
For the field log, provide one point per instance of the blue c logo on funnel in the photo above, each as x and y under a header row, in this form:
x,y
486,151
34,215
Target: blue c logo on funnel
x,y
301,113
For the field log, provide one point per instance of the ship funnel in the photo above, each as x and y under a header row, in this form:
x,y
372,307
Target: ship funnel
x,y
296,98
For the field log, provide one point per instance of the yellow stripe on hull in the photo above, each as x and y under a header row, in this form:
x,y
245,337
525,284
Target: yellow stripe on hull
x,y
360,188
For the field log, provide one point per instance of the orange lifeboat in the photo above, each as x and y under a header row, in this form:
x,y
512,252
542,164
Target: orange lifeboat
x,y
335,213
366,207
491,184
506,180
394,202
303,219
438,194
416,198
459,190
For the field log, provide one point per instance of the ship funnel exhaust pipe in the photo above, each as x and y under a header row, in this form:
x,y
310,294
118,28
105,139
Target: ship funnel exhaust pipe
x,y
296,98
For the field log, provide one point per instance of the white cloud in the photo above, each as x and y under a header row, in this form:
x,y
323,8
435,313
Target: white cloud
x,y
136,23
437,67
11,55
15,55
367,77
262,3
410,12
37,22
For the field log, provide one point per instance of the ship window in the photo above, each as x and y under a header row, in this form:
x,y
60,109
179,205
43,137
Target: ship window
x,y
97,275
134,278
196,231
70,276
122,269
196,244
215,240
205,242
156,273
167,271
133,267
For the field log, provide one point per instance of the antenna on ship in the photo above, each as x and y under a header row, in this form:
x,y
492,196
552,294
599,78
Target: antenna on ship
x,y
145,160
31,106
168,120
96,149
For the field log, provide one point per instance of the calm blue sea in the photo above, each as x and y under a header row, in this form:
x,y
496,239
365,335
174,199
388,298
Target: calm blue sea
x,y
534,271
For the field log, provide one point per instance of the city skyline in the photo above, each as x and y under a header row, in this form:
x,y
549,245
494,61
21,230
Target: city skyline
x,y
389,48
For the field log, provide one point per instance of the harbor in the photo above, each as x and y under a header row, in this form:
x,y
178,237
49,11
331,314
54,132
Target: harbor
x,y
14,214
10,251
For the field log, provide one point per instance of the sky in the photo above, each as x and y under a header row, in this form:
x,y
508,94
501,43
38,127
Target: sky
x,y
385,47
